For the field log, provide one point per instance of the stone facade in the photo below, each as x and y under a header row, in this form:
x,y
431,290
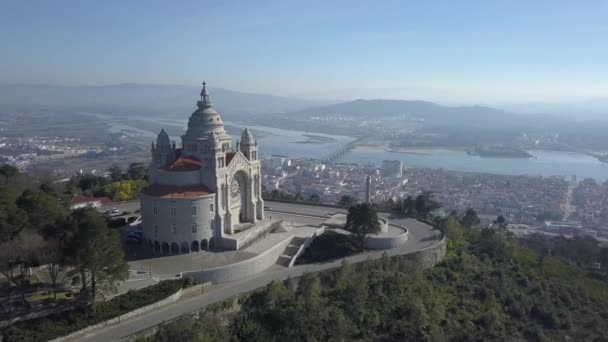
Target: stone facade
x,y
202,190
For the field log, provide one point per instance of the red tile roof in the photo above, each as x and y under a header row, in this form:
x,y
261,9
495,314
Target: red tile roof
x,y
184,164
174,191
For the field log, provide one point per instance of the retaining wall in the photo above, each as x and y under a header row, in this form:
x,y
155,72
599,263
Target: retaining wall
x,y
305,245
36,314
430,256
172,298
386,242
242,269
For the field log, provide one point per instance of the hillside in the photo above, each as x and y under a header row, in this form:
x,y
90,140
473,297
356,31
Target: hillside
x,y
489,288
139,98
385,108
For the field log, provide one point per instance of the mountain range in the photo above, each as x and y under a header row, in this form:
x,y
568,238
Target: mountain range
x,y
172,100
150,99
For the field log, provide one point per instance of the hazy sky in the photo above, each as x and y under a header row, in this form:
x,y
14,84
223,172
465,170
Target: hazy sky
x,y
485,51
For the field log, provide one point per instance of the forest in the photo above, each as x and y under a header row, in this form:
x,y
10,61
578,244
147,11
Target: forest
x,y
489,287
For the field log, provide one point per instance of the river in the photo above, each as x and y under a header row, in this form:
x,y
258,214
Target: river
x,y
544,163
301,144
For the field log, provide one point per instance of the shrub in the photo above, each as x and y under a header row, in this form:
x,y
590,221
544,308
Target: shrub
x,y
50,327
328,246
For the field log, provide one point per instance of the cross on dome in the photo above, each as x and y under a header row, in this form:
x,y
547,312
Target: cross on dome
x,y
204,93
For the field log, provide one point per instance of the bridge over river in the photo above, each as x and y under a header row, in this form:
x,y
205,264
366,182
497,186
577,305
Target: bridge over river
x,y
342,151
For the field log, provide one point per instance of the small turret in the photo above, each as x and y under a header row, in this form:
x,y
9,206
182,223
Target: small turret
x,y
163,139
248,145
164,151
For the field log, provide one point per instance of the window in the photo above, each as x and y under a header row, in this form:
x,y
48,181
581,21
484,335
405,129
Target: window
x,y
211,207
174,229
155,210
173,211
193,211
155,229
194,227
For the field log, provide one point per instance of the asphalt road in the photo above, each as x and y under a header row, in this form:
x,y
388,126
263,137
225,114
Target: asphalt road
x,y
122,206
420,237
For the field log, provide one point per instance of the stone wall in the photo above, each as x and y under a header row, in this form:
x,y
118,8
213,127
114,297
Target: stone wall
x,y
159,227
432,255
36,314
242,269
305,245
172,298
386,242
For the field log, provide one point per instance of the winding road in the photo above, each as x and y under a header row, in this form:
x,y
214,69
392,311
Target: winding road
x,y
421,236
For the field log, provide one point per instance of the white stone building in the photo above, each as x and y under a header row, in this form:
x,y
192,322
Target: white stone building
x,y
205,190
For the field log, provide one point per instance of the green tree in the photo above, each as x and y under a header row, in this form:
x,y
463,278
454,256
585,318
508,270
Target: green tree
x,y
43,209
8,171
362,219
12,218
501,223
137,171
116,173
17,256
97,253
470,218
409,206
51,255
314,198
347,201
426,204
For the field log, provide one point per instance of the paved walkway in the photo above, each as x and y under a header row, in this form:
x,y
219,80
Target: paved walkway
x,y
421,236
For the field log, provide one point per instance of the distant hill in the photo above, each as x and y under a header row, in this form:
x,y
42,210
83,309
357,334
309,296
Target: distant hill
x,y
590,109
471,115
362,107
140,98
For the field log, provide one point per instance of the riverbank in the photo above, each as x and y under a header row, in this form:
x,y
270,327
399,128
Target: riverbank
x,y
406,150
543,163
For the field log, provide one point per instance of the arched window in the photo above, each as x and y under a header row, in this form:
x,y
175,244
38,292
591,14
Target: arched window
x,y
174,248
194,246
184,248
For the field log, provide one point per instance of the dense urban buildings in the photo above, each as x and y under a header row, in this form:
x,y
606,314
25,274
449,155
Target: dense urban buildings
x,y
549,205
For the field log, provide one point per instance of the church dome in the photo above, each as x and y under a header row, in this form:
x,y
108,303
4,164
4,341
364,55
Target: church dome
x,y
205,119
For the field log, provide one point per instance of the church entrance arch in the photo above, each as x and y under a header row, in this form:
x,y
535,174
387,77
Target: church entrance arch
x,y
238,197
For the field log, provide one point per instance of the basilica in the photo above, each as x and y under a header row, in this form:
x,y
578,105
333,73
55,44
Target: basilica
x,y
202,192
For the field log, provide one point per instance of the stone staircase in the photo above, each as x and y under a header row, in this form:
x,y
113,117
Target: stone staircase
x,y
290,251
